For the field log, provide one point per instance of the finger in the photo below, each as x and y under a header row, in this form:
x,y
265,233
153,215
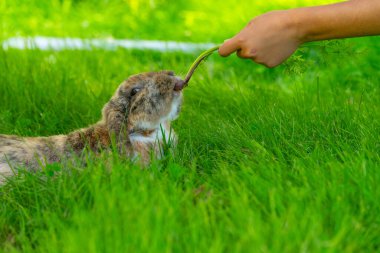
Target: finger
x,y
244,53
228,47
268,64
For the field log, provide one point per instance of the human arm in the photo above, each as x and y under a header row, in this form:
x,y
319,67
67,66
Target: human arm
x,y
271,38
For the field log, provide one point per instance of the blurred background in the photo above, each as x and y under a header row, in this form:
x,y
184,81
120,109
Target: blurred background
x,y
182,20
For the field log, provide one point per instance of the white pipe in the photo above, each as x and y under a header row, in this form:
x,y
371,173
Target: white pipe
x,y
57,44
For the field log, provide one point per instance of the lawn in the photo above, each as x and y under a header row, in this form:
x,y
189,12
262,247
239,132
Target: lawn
x,y
269,160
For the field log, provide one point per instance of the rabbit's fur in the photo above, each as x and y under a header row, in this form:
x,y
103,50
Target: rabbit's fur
x,y
136,117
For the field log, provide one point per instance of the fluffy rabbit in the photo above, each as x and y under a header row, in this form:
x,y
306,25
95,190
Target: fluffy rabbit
x,y
136,117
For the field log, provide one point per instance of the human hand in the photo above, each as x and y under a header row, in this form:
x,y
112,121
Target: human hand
x,y
268,39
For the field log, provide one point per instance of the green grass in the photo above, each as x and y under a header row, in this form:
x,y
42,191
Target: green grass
x,y
269,160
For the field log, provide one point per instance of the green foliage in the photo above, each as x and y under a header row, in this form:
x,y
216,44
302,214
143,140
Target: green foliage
x,y
269,160
181,20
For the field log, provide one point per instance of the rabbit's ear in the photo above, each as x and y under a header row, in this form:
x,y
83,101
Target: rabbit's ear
x,y
168,72
115,116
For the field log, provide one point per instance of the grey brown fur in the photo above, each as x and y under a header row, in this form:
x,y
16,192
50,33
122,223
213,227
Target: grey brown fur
x,y
141,106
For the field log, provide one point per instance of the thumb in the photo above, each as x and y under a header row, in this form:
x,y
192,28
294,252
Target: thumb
x,y
228,47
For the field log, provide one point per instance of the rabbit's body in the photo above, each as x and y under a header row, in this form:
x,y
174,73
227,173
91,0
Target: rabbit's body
x,y
29,152
137,118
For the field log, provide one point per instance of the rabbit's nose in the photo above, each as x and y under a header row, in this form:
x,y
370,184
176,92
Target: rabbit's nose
x,y
179,85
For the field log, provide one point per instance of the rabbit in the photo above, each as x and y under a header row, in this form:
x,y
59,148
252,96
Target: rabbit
x,y
137,118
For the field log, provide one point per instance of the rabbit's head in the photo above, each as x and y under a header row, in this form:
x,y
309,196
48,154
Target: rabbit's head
x,y
147,100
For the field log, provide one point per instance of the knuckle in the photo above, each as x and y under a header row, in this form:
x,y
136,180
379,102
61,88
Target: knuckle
x,y
270,64
253,52
261,61
258,61
253,58
243,54
238,53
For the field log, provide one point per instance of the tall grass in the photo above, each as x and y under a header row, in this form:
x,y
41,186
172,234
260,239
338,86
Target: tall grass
x,y
268,160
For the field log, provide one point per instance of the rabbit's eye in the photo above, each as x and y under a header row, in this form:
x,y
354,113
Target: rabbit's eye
x,y
134,91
